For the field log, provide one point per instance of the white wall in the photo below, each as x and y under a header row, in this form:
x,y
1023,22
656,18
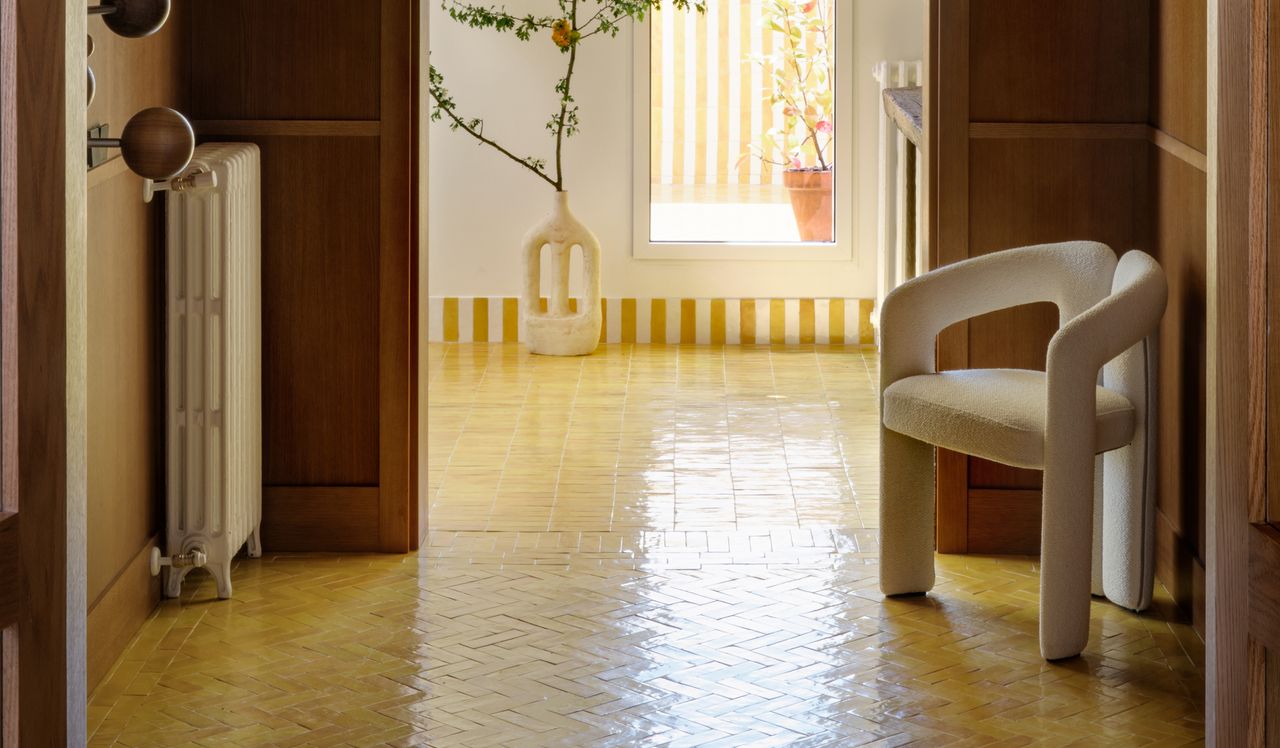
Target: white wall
x,y
481,203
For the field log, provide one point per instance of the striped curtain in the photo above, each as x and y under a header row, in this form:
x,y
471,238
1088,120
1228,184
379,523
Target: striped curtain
x,y
709,100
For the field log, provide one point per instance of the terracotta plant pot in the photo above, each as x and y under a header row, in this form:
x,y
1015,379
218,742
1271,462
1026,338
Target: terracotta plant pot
x,y
811,202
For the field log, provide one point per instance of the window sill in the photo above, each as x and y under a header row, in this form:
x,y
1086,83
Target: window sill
x,y
727,252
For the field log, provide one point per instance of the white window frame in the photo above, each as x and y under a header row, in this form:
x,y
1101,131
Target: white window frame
x,y
841,250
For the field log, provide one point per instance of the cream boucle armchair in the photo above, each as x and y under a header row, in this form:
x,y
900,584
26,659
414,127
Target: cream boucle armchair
x,y
1058,421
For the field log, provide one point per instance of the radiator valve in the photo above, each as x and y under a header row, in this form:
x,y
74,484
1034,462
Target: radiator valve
x,y
192,558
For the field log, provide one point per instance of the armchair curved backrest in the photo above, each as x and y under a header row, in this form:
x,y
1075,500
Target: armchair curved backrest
x,y
1075,276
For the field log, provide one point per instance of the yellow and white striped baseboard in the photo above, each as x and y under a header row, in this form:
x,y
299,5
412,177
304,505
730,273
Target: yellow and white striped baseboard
x,y
671,321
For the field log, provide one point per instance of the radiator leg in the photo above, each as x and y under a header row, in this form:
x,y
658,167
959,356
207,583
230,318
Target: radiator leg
x,y
173,581
221,572
255,542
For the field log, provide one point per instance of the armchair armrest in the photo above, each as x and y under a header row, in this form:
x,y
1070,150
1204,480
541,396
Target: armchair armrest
x,y
1118,322
1073,275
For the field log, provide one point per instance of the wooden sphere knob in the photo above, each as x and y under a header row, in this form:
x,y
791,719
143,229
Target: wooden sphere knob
x,y
158,143
137,18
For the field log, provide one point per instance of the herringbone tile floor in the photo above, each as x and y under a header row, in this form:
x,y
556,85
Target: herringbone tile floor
x,y
661,547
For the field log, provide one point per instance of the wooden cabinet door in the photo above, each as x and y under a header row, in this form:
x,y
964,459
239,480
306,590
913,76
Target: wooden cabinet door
x,y
326,89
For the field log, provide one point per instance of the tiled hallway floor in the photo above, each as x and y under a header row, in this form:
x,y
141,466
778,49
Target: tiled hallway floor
x,y
649,546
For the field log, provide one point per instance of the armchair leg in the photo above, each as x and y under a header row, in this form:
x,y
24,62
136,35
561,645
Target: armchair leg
x,y
1066,555
906,514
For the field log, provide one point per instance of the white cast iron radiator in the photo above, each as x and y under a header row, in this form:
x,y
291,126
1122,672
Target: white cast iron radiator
x,y
897,261
214,349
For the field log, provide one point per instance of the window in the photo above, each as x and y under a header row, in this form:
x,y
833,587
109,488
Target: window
x,y
741,131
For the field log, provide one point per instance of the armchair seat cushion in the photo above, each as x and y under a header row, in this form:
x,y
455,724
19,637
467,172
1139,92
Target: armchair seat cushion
x,y
995,414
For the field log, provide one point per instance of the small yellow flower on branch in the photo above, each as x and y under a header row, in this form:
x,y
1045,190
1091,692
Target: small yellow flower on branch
x,y
563,34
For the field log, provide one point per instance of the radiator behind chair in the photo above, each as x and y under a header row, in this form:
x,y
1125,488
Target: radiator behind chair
x,y
901,190
214,349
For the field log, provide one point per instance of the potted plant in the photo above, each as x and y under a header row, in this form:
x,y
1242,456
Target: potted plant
x,y
801,70
558,330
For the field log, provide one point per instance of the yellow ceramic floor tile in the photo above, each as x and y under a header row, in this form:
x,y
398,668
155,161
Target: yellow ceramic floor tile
x,y
648,546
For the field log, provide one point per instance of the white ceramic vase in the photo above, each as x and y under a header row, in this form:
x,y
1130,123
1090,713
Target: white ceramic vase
x,y
559,331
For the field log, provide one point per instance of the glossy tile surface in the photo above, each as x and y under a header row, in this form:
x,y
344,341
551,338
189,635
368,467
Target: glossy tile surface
x,y
658,546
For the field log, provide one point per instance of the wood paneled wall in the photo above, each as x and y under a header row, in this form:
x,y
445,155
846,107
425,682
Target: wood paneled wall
x,y
1035,140
125,334
1179,180
326,88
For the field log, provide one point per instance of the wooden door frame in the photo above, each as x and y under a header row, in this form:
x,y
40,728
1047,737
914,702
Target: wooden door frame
x,y
1237,349
42,325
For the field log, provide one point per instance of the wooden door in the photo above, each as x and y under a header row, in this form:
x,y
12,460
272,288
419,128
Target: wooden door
x,y
42,261
1243,653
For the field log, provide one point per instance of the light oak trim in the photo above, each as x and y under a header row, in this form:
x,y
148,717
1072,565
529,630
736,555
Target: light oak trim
x,y
1179,150
119,612
421,117
250,128
1090,131
107,171
9,675
8,267
1059,130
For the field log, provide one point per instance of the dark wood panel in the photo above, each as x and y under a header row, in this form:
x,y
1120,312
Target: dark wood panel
x,y
9,586
1264,585
1031,191
1273,268
1082,61
1179,245
1036,190
946,116
1181,570
397,346
320,518
320,310
1179,70
953,504
984,474
285,59
327,89
1004,521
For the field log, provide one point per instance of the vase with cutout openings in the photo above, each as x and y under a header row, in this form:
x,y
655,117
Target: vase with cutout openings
x,y
559,329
